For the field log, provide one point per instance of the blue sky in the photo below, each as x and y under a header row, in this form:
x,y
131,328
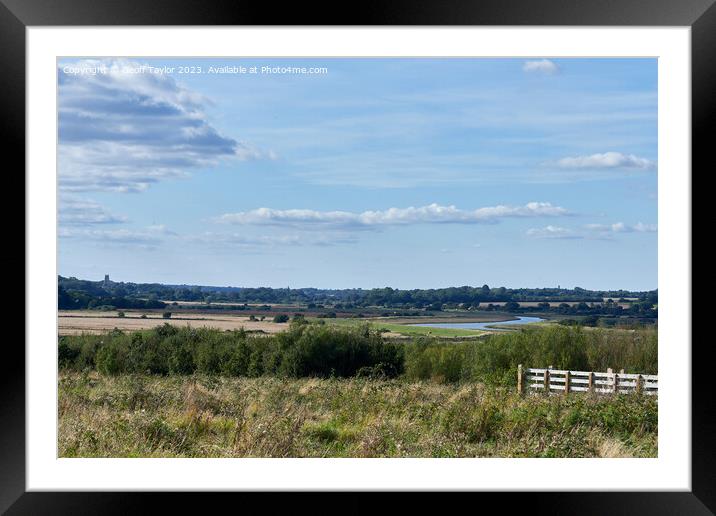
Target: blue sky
x,y
409,173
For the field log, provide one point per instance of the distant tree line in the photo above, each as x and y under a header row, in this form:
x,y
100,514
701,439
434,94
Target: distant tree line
x,y
79,300
465,297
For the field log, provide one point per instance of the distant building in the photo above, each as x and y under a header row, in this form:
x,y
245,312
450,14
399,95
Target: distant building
x,y
106,279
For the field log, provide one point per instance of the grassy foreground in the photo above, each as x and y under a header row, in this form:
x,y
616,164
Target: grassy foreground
x,y
131,415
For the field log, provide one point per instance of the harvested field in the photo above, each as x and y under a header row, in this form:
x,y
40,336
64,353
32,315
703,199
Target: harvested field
x,y
88,321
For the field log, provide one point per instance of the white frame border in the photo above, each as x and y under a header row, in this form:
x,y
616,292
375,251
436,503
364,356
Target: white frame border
x,y
670,471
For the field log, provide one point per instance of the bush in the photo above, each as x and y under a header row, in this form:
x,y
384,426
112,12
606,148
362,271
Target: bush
x,y
321,350
281,318
167,315
494,360
111,357
303,350
316,350
66,353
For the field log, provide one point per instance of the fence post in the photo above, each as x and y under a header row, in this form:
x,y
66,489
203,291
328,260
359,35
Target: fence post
x,y
566,382
519,379
639,383
616,383
590,381
546,381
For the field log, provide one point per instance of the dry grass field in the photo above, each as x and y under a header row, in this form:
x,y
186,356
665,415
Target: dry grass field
x,y
75,322
175,416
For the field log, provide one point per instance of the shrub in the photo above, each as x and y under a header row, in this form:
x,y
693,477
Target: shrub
x,y
181,357
494,360
111,357
322,350
281,318
67,353
167,315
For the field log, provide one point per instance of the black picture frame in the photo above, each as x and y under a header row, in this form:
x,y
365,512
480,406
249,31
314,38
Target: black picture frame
x,y
17,15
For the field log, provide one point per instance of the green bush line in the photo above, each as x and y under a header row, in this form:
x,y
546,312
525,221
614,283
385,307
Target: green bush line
x,y
303,350
313,350
494,360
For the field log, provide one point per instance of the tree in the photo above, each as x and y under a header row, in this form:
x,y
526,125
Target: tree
x,y
511,306
280,318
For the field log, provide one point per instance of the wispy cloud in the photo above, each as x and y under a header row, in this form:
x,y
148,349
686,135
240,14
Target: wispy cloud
x,y
620,227
150,236
117,236
591,231
553,232
262,241
430,214
544,66
606,160
121,131
75,211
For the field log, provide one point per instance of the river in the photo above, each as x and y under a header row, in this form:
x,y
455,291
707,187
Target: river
x,y
481,325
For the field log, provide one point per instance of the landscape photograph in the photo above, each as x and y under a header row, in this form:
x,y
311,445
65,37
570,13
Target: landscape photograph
x,y
357,257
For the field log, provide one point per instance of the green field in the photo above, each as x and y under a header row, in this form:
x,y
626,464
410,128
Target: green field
x,y
406,329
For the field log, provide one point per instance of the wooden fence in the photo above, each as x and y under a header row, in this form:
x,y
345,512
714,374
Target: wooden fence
x,y
554,380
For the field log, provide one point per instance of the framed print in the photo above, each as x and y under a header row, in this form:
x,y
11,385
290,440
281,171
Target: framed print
x,y
423,252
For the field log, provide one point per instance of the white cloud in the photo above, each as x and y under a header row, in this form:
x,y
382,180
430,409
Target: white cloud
x,y
541,66
148,237
591,231
620,227
161,229
431,214
247,241
116,236
122,131
606,160
553,232
75,211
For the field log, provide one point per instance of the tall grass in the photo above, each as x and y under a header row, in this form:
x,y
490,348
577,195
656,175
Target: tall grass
x,y
217,416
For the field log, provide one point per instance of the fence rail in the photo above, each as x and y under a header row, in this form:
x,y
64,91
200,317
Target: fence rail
x,y
555,380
